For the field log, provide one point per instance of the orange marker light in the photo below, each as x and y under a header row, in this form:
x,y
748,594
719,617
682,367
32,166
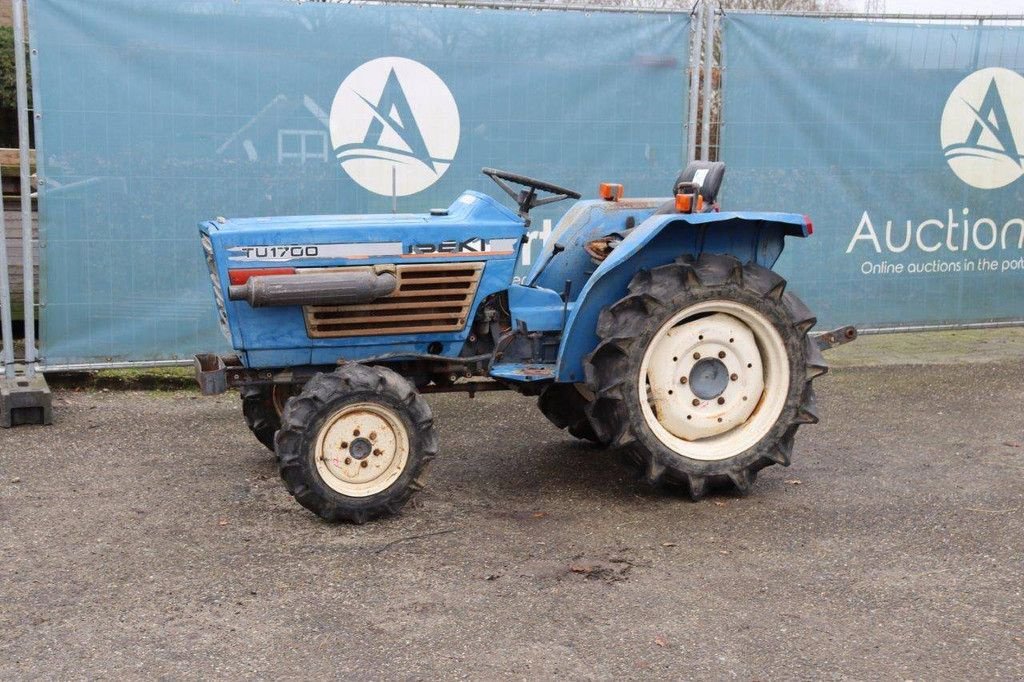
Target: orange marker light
x,y
685,203
610,191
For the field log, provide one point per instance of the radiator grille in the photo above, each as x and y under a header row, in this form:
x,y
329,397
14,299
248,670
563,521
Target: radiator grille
x,y
431,297
218,294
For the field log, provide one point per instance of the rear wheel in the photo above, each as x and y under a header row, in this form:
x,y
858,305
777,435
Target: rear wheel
x,y
353,445
704,372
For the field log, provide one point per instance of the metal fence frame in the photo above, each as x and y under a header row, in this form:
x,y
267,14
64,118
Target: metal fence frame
x,y
917,18
7,355
31,356
705,29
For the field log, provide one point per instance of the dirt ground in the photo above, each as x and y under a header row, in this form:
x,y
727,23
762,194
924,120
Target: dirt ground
x,y
146,534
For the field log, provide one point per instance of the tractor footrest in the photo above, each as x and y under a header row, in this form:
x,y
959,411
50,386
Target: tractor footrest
x,y
515,371
25,400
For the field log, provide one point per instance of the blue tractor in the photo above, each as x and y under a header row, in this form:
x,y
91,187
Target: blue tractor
x,y
655,326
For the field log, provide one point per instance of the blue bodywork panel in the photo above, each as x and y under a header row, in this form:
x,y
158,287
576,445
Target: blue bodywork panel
x,y
277,337
539,309
476,228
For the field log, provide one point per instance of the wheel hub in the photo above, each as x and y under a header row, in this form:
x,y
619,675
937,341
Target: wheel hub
x,y
708,378
705,376
361,449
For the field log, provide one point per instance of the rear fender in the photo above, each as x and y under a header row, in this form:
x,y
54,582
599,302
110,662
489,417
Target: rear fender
x,y
659,240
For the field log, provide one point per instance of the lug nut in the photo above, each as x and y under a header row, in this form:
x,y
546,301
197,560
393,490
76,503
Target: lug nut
x,y
696,402
348,460
696,356
356,433
734,377
377,452
721,400
683,380
373,435
363,464
721,354
344,445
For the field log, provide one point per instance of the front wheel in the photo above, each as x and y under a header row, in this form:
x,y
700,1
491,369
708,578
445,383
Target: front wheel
x,y
353,445
565,406
704,372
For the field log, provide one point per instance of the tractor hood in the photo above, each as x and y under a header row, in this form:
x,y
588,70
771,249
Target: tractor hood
x,y
473,224
284,285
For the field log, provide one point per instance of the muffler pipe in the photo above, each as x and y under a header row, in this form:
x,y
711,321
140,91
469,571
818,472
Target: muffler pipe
x,y
324,288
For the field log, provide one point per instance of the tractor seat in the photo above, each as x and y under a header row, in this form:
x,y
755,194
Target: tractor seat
x,y
707,174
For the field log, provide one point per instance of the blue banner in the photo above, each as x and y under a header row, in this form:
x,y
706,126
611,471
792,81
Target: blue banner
x,y
905,145
155,116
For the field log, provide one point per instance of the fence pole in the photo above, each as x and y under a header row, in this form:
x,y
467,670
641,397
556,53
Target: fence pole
x,y
696,33
26,186
710,16
6,332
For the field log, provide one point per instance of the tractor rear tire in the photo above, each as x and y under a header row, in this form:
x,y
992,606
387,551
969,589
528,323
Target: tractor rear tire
x,y
262,406
703,372
353,445
565,407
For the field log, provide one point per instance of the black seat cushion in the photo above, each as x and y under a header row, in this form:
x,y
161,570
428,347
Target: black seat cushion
x,y
707,174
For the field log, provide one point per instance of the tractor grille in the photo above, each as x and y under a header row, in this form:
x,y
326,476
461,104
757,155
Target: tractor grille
x,y
432,297
218,294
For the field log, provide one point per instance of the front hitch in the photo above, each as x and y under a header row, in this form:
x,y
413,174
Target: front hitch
x,y
211,373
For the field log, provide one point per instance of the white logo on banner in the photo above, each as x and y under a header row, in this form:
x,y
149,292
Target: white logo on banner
x,y
983,128
394,126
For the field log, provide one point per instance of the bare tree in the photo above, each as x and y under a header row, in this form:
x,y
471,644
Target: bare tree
x,y
783,5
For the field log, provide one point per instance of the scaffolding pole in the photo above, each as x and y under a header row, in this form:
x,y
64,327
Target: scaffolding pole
x,y
6,330
23,399
696,33
710,18
21,74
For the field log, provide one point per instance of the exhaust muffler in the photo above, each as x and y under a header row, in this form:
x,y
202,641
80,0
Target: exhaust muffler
x,y
334,287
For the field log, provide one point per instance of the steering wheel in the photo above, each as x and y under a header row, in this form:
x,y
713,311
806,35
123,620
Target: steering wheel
x,y
527,199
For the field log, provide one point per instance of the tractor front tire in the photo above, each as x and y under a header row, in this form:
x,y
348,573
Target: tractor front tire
x,y
566,407
703,372
354,443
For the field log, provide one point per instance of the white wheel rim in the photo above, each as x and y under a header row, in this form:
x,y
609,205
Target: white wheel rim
x,y
692,417
362,449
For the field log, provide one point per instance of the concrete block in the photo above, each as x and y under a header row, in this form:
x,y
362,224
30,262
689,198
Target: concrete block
x,y
25,400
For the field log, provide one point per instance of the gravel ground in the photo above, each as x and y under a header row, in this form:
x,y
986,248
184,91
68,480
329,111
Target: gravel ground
x,y
146,534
